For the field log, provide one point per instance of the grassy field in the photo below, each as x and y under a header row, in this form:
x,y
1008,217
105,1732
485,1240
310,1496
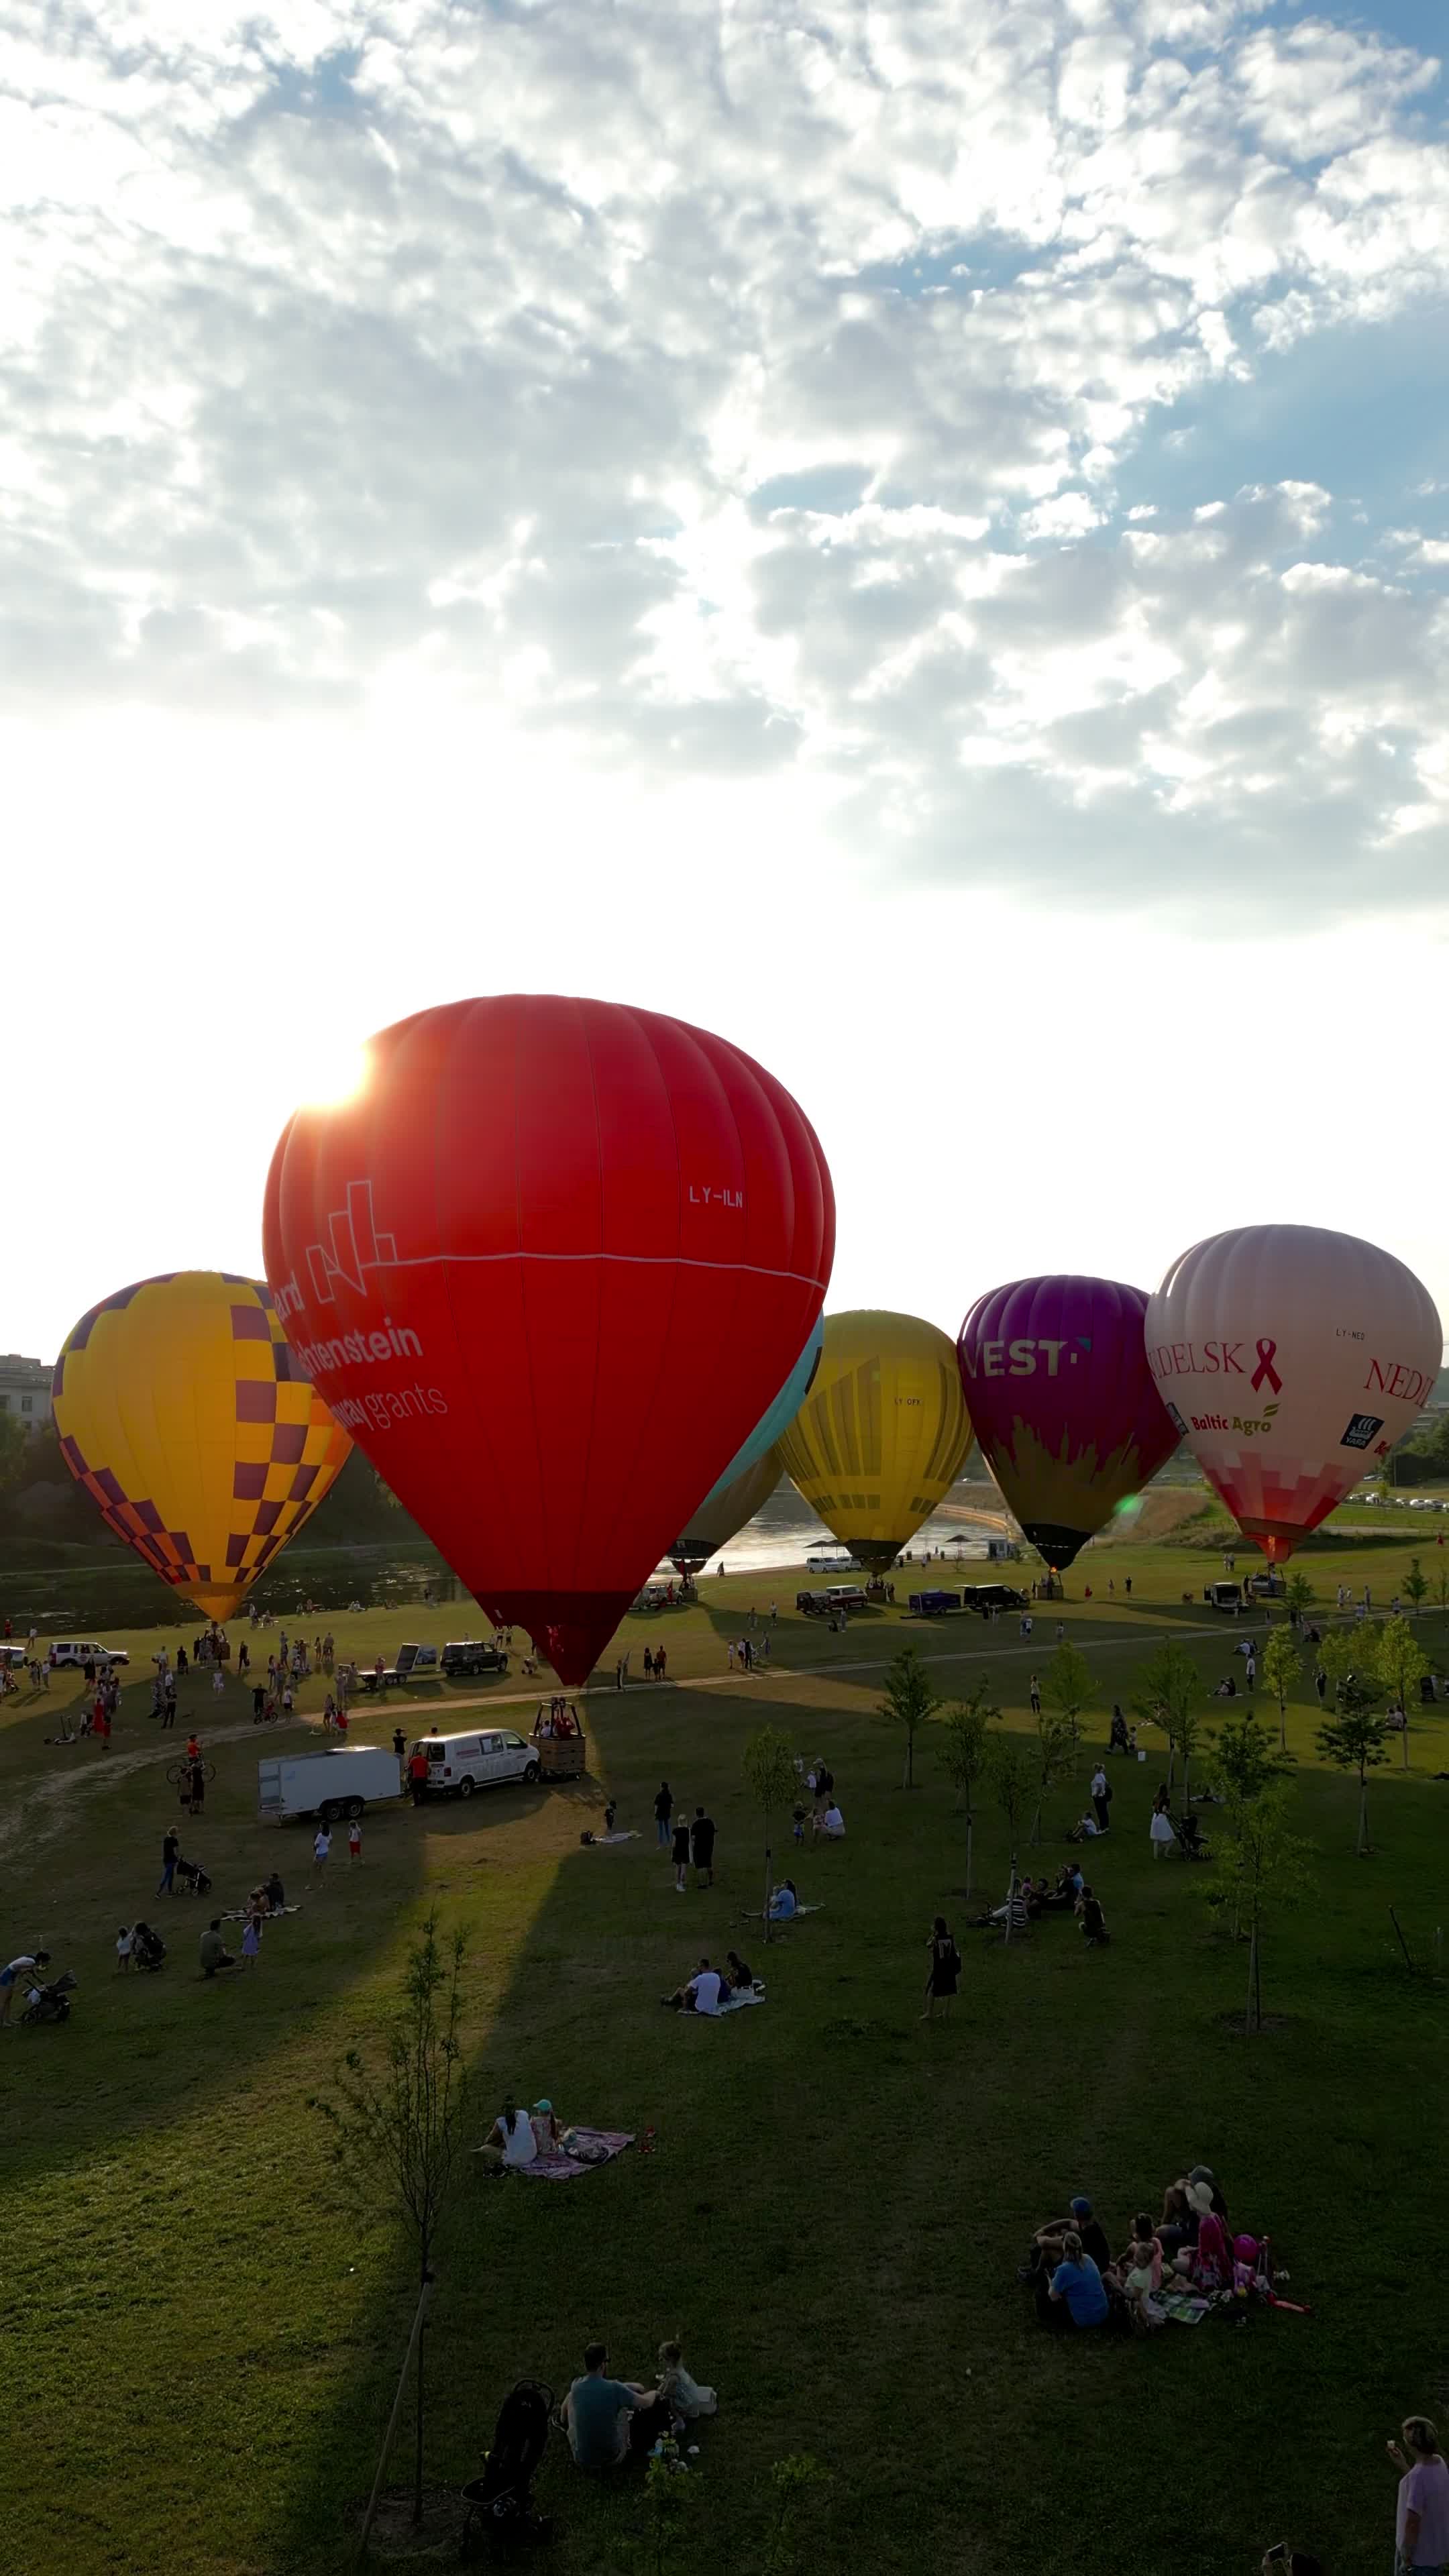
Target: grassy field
x,y
203,2320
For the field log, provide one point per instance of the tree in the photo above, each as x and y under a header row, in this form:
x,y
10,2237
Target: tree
x,y
1243,1765
1401,1664
792,2481
1067,1687
1415,1587
1013,1777
1346,1651
1243,1760
14,1450
1261,1869
1297,1595
1171,1686
965,1753
404,2120
770,1773
1053,1747
909,1700
1282,1666
1354,1739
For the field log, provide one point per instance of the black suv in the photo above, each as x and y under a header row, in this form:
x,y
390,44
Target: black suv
x,y
469,1655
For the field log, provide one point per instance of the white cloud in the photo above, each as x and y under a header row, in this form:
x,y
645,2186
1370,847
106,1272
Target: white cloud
x,y
383,352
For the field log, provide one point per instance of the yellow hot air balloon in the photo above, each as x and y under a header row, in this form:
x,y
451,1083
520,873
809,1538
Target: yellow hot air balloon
x,y
882,1435
184,1412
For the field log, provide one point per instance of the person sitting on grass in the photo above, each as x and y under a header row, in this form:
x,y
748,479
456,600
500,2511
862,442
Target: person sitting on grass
x,y
1093,1921
1208,2264
1143,2234
1047,2243
700,1994
214,1952
543,2120
510,2142
678,2391
784,1903
1138,2283
1061,1898
601,2415
741,1977
831,1824
1074,2294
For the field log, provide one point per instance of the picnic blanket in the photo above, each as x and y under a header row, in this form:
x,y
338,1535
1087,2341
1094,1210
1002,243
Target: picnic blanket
x,y
568,2168
1184,2307
784,1918
729,2004
238,1913
626,1834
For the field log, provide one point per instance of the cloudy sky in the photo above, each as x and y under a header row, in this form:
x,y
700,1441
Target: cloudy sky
x,y
915,534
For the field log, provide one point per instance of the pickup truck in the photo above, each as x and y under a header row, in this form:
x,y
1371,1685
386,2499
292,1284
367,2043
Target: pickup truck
x,y
835,1596
934,1605
464,1656
412,1663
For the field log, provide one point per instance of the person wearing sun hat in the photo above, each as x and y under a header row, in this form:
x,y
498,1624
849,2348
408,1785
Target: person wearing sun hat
x,y
1205,2178
545,2128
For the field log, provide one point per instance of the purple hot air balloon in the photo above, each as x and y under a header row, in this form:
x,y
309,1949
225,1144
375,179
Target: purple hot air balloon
x,y
1065,1408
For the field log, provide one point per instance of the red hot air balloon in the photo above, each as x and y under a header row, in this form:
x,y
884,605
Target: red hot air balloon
x,y
1065,1407
507,1261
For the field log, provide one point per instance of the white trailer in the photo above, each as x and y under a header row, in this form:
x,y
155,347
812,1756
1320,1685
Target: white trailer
x,y
340,1782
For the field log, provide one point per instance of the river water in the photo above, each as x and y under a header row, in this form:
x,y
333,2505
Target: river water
x,y
88,1599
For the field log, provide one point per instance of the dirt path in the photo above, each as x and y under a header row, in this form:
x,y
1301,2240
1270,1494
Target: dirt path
x,y
41,1809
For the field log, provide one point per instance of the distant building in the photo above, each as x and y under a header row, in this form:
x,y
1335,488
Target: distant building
x,y
25,1389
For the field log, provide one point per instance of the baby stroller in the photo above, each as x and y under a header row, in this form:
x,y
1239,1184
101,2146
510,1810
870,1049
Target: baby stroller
x,y
195,1879
148,1950
501,2501
51,2003
1189,1838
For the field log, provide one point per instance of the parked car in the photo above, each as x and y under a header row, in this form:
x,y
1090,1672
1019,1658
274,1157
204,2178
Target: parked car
x,y
14,1656
459,1764
934,1605
467,1655
68,1655
1224,1596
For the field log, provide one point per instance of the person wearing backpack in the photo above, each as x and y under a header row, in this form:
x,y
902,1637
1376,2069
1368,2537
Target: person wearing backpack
x,y
944,1969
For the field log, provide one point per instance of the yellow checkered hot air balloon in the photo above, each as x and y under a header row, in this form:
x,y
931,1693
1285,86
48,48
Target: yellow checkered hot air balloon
x,y
882,1435
184,1412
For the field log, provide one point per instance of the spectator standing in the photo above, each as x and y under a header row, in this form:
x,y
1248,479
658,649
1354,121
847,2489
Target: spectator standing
x,y
680,1856
321,1846
1421,2529
170,1854
663,1810
701,1847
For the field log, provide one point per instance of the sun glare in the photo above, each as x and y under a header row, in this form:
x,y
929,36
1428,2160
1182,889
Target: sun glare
x,y
337,1077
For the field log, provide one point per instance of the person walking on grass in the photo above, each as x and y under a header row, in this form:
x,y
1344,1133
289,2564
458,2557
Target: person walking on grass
x,y
354,1841
252,1937
1421,2530
170,1854
321,1846
943,1970
663,1810
1034,1691
701,1845
680,1856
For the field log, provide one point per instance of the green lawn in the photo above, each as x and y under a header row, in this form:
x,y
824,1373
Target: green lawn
x,y
203,2320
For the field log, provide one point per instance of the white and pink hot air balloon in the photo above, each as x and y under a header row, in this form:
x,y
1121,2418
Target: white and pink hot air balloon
x,y
1291,1359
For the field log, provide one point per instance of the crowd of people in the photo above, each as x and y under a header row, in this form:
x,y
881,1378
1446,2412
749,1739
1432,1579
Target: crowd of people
x,y
1076,2279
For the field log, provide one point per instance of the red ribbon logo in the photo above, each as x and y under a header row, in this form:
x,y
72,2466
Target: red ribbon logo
x,y
1267,1352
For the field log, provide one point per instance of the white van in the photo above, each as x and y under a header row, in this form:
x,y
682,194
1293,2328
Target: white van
x,y
68,1655
459,1764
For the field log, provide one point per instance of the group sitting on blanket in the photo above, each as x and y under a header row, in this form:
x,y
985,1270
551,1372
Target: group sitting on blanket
x,y
1032,1899
1076,2281
713,1990
611,2421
